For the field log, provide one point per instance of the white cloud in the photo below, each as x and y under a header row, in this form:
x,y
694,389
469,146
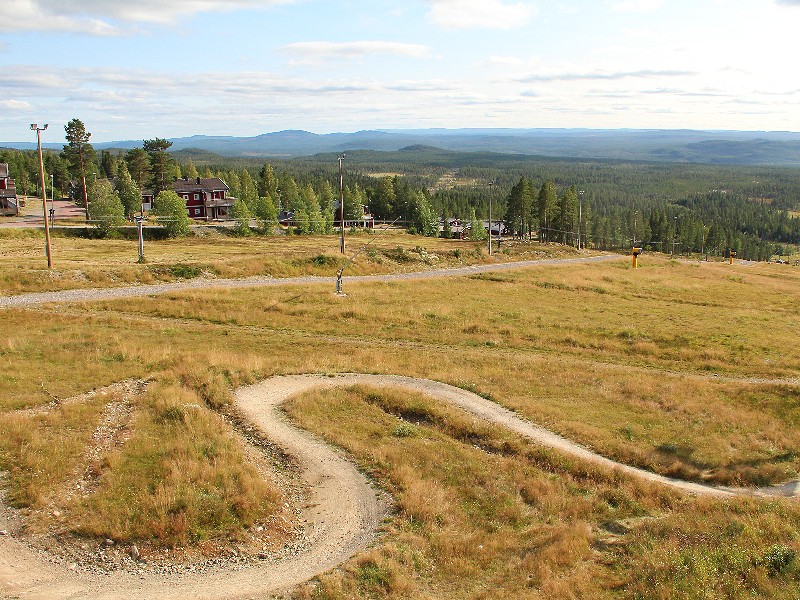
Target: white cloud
x,y
502,61
15,105
104,17
319,51
480,14
637,5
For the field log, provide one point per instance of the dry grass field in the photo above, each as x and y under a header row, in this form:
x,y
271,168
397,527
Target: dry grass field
x,y
81,263
683,368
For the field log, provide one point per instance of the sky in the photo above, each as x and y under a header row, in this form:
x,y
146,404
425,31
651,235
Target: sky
x,y
140,69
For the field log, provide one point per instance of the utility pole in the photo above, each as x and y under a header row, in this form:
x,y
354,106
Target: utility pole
x,y
341,200
635,217
674,236
580,216
38,130
491,193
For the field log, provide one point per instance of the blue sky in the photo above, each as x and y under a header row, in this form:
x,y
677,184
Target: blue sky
x,y
137,69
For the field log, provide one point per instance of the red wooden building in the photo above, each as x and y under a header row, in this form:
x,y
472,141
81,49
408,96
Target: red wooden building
x,y
206,197
9,204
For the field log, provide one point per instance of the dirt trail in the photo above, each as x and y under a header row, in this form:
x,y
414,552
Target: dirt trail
x,y
496,414
343,515
344,511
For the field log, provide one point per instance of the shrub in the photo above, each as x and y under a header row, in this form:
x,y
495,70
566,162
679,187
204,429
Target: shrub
x,y
170,210
405,430
778,559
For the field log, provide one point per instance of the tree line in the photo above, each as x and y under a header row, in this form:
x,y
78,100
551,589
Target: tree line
x,y
606,205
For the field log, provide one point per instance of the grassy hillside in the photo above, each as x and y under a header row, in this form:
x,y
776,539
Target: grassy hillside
x,y
679,367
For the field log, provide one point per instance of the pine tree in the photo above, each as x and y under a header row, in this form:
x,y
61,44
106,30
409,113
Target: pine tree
x,y
161,166
79,152
566,215
518,207
108,162
138,165
267,183
327,204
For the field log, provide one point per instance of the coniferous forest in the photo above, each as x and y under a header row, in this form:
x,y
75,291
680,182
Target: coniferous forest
x,y
673,208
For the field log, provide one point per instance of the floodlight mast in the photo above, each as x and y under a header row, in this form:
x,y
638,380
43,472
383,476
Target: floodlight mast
x,y
341,200
35,127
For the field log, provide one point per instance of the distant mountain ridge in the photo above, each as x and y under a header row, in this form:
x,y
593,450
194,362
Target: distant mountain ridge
x,y
690,146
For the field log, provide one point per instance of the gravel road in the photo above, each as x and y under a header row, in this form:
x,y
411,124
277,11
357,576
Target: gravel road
x,y
199,284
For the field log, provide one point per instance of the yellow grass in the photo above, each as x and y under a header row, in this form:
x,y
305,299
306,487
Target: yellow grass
x,y
82,263
182,478
482,514
663,367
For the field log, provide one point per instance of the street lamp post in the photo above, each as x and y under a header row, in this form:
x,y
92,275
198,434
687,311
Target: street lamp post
x,y
341,200
491,193
38,130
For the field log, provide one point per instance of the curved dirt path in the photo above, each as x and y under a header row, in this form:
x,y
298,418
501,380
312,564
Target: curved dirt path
x,y
344,514
135,291
494,413
342,517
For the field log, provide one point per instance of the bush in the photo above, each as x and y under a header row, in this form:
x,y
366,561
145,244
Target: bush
x,y
322,260
170,210
778,559
404,430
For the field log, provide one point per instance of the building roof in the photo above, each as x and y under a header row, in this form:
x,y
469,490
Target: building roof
x,y
3,169
199,184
